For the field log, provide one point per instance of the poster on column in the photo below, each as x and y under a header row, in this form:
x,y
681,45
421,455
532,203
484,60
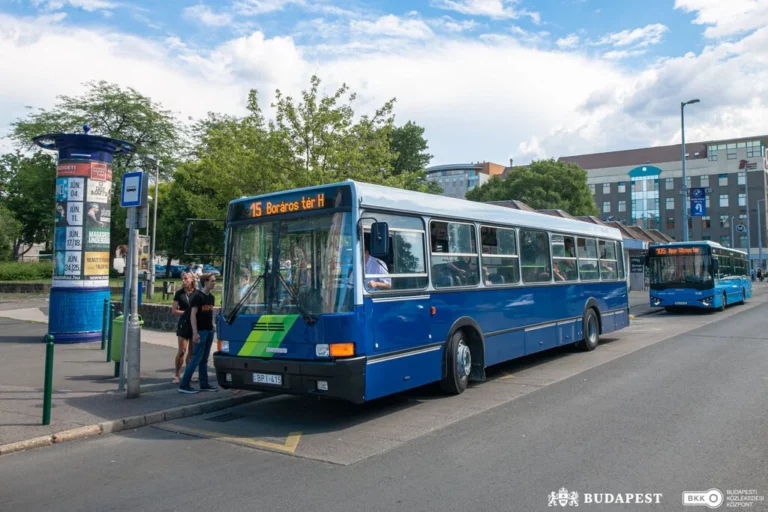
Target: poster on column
x,y
82,236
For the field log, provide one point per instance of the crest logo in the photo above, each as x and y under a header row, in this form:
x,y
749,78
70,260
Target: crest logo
x,y
564,498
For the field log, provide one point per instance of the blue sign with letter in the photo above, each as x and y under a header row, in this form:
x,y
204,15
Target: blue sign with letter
x,y
698,202
131,193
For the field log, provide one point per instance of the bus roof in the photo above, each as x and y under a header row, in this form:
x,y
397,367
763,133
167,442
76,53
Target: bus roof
x,y
710,243
377,196
407,201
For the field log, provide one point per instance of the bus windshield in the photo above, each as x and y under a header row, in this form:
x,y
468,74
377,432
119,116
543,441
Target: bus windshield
x,y
688,269
314,256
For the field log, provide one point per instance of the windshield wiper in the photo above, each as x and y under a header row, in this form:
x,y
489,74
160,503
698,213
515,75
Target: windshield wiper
x,y
308,318
233,314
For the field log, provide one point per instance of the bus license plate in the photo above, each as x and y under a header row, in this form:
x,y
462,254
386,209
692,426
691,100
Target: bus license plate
x,y
681,303
268,378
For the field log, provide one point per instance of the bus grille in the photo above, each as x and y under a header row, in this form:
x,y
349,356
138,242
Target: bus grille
x,y
269,327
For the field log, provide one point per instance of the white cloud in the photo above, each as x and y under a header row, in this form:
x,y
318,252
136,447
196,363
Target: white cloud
x,y
727,18
639,37
470,95
622,54
203,14
566,43
452,25
391,25
256,7
86,5
490,8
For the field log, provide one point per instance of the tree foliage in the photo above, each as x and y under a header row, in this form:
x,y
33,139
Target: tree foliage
x,y
29,198
112,111
316,140
541,184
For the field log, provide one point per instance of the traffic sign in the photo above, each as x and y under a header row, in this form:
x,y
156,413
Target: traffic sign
x,y
741,228
131,192
698,202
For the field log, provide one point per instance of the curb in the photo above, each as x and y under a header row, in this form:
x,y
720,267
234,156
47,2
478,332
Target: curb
x,y
131,422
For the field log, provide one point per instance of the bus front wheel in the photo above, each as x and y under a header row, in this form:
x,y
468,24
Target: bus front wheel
x,y
591,331
458,364
725,302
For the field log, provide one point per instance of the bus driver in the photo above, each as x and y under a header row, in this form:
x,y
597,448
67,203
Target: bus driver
x,y
374,266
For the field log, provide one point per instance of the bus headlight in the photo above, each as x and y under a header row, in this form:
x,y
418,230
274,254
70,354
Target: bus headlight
x,y
224,346
707,301
322,350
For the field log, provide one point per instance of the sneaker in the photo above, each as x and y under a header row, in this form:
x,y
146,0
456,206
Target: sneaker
x,y
212,389
188,389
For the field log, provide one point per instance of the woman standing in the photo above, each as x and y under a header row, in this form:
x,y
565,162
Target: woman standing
x,y
181,306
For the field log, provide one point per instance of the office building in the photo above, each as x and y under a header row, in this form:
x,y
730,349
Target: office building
x,y
457,179
643,187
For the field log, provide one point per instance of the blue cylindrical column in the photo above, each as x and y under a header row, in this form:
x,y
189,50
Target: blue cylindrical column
x,y
82,232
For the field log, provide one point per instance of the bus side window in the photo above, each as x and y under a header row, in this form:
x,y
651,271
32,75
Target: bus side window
x,y
534,256
406,260
586,250
454,257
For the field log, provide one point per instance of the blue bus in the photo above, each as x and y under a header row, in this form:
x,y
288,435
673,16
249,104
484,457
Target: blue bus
x,y
357,291
697,274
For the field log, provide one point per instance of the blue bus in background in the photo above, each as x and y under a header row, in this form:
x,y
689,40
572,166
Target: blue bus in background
x,y
467,285
697,274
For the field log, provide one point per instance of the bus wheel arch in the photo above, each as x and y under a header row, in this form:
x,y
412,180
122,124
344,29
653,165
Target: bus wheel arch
x,y
591,327
473,338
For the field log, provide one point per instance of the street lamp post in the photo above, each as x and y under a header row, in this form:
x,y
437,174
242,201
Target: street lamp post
x,y
685,186
151,269
749,235
759,234
733,240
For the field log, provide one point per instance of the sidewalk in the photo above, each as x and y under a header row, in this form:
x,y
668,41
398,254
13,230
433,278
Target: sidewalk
x,y
84,386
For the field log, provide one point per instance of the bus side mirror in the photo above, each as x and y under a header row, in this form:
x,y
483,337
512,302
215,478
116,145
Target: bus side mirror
x,y
379,240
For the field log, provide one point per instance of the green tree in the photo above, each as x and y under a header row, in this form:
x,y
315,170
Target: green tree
x,y
10,230
541,184
411,157
29,197
113,111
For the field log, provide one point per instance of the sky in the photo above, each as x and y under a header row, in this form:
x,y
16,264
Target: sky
x,y
490,80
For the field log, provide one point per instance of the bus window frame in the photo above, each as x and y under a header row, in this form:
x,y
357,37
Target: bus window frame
x,y
476,234
515,257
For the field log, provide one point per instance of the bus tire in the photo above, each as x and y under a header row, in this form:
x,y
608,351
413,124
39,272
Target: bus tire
x,y
459,364
725,302
591,331
743,296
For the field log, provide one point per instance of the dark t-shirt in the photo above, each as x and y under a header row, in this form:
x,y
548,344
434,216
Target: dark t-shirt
x,y
184,298
204,304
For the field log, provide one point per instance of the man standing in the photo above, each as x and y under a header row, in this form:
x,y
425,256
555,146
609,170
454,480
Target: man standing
x,y
201,316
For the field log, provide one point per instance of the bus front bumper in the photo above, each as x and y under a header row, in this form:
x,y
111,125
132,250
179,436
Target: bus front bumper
x,y
344,378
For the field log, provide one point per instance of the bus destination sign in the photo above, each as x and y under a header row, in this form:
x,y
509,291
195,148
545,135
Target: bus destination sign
x,y
674,251
291,203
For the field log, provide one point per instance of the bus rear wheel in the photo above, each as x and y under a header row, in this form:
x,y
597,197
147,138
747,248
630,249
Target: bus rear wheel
x,y
458,364
591,331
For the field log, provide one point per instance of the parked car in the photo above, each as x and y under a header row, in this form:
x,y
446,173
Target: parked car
x,y
176,270
210,269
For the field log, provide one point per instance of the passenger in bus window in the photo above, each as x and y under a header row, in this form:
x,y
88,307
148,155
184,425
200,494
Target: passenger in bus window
x,y
558,273
375,266
569,252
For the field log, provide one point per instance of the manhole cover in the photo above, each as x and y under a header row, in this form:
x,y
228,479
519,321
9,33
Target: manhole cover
x,y
221,418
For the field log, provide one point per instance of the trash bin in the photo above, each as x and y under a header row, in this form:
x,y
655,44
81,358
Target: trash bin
x,y
118,322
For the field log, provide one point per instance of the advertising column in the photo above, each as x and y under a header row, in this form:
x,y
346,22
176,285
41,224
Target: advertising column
x,y
82,234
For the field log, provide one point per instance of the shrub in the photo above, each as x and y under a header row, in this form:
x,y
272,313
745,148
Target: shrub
x,y
26,271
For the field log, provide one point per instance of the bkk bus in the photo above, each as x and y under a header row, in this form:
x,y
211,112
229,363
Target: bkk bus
x,y
458,286
697,274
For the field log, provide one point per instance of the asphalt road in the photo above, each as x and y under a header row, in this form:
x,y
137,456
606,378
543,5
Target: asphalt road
x,y
686,414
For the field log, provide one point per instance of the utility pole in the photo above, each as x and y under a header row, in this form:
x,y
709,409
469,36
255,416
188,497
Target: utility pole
x,y
760,234
126,296
733,240
133,328
151,287
749,235
685,185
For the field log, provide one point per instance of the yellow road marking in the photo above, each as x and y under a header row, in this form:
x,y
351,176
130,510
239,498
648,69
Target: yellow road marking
x,y
290,445
507,376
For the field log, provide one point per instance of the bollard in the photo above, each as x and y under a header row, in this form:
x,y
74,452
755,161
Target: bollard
x,y
110,316
117,369
105,326
48,380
